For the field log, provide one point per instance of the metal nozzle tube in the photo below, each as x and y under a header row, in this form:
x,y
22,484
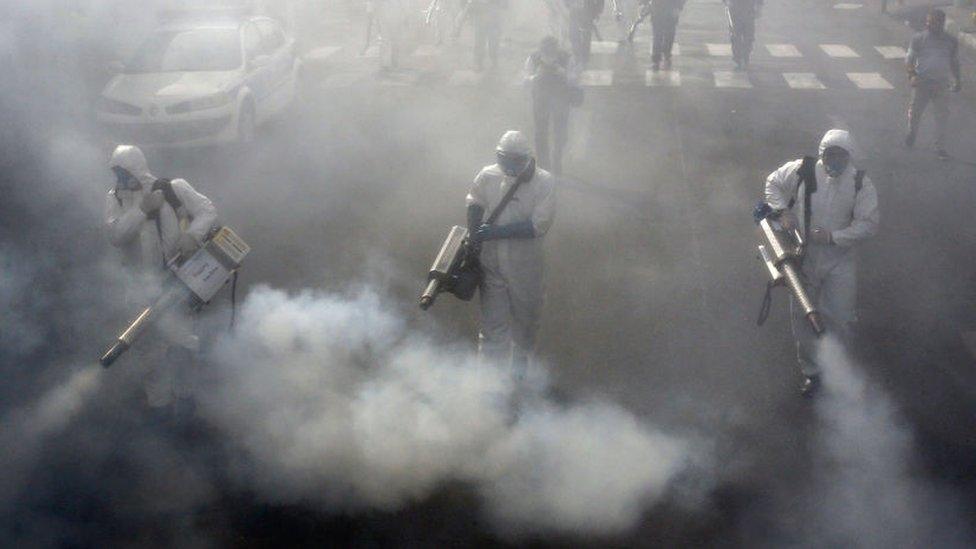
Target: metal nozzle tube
x,y
816,323
427,298
796,287
125,340
113,353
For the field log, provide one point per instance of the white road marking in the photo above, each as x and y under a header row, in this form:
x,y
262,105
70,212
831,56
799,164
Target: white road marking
x,y
596,78
969,38
323,53
839,51
732,79
869,81
783,50
675,49
465,77
605,47
719,50
803,81
847,6
891,52
427,50
669,79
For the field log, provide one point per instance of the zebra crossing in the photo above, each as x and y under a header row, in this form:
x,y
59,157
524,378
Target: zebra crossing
x,y
703,65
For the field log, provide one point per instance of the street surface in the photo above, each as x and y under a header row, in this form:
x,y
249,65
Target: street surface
x,y
654,285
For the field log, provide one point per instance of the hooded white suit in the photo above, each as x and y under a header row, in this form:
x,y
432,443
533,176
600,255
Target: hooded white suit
x,y
830,270
513,290
130,230
146,247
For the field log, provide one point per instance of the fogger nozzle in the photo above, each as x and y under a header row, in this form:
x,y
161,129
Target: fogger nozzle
x,y
427,298
131,332
113,353
780,251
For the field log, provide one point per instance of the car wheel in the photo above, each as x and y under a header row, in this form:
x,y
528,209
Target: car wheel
x,y
246,124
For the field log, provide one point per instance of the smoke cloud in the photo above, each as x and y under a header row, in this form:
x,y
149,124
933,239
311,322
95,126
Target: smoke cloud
x,y
869,493
333,399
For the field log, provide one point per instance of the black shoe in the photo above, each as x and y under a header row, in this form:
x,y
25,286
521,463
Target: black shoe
x,y
910,140
810,386
655,66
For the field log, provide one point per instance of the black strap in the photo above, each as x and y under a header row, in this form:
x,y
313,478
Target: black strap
x,y
233,300
808,178
767,303
166,185
524,177
858,181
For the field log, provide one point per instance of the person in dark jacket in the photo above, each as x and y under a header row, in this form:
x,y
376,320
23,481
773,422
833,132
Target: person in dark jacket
x,y
551,77
664,23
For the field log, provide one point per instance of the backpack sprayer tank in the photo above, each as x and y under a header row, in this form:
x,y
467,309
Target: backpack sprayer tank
x,y
198,279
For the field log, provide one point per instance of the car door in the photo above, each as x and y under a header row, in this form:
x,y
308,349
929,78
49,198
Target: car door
x,y
281,65
257,66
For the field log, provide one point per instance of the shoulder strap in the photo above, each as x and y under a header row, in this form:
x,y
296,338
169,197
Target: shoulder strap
x,y
526,176
808,177
115,193
166,185
858,181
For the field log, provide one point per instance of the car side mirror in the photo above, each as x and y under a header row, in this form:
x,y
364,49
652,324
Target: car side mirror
x,y
115,67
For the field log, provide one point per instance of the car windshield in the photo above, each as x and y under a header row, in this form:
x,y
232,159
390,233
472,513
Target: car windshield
x,y
188,50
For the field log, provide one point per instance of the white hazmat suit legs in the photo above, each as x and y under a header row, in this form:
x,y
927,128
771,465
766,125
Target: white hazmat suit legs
x,y
850,215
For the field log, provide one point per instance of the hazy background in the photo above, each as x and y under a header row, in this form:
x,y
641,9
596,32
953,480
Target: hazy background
x,y
338,413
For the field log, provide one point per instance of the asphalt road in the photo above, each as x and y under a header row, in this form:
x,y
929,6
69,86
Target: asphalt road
x,y
653,280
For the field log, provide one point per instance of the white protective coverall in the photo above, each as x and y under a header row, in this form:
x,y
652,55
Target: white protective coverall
x,y
513,289
145,248
830,270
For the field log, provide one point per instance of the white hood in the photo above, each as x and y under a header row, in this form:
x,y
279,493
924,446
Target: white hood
x,y
131,159
838,138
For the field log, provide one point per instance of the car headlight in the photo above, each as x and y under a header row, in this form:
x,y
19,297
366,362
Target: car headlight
x,y
117,107
200,104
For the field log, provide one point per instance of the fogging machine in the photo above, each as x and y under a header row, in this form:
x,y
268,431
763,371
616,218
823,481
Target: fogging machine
x,y
456,269
194,281
781,252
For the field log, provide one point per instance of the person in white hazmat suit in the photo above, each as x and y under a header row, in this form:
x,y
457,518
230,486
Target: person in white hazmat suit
x,y
512,291
152,221
844,211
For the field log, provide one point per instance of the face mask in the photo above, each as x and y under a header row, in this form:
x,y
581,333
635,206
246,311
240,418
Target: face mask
x,y
512,164
835,160
125,180
834,166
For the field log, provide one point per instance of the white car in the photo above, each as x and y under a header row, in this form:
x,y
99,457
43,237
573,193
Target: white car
x,y
201,84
